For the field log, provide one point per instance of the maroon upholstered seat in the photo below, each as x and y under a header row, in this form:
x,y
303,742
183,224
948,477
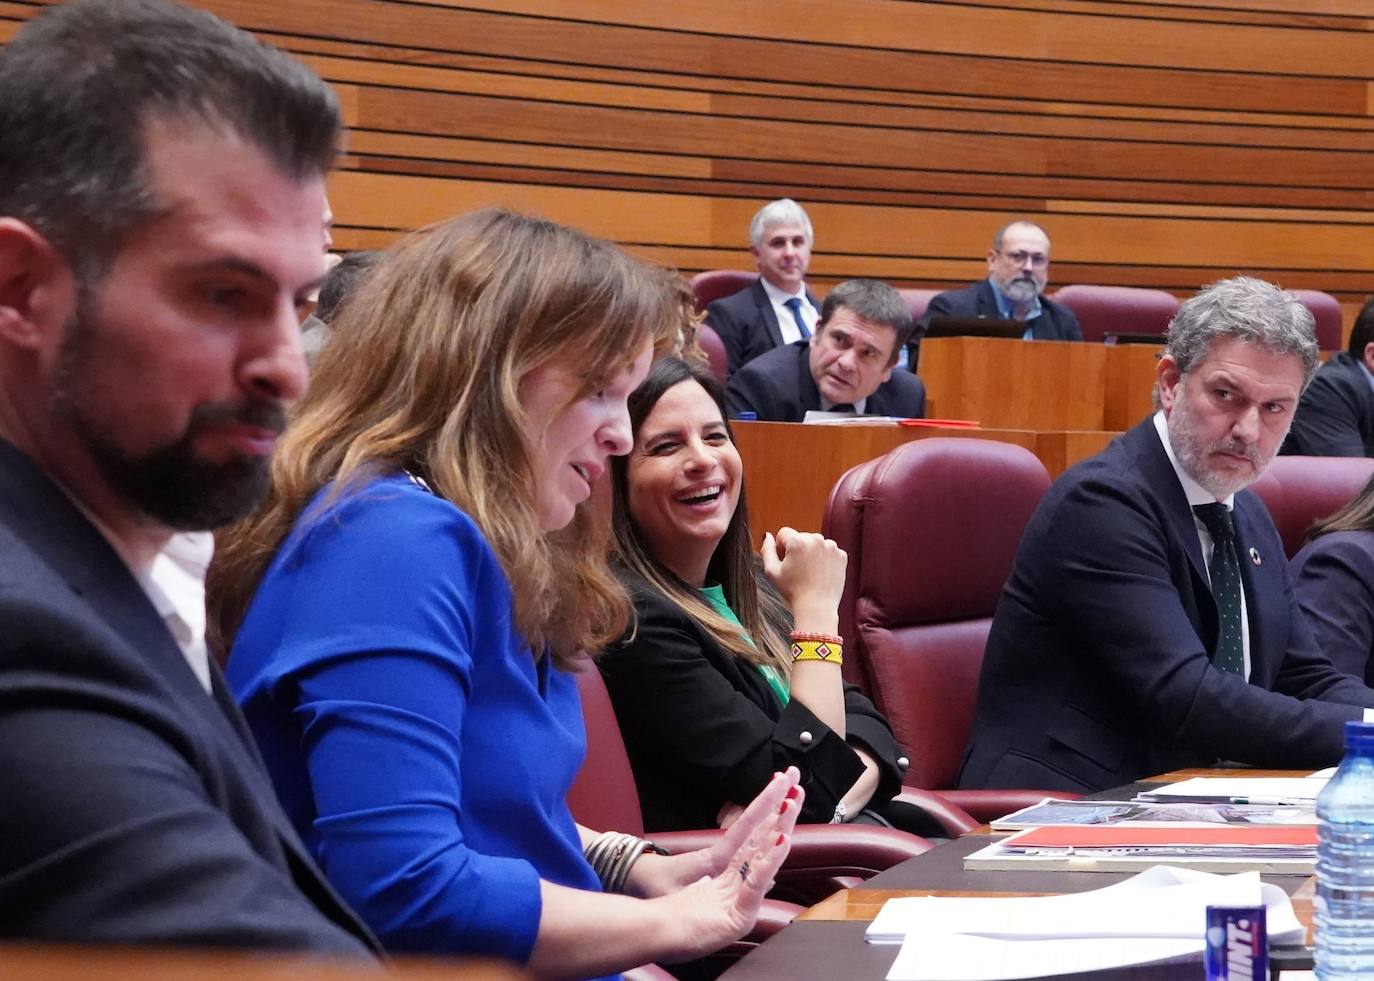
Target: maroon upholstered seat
x,y
713,284
918,300
1326,311
1300,490
931,530
715,350
1103,310
824,857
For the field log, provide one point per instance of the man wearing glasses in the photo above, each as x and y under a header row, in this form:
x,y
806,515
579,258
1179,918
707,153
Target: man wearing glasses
x,y
1018,269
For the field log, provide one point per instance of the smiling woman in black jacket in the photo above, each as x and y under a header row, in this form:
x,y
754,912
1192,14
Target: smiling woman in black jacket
x,y
708,687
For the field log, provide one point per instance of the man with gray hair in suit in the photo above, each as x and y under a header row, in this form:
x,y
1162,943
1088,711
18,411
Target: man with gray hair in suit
x,y
777,308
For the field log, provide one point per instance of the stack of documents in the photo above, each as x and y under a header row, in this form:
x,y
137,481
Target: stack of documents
x,y
1159,915
1051,811
1124,847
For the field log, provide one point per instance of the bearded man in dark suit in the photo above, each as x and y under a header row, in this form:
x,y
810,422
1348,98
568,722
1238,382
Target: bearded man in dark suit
x,y
1018,272
1149,623
161,227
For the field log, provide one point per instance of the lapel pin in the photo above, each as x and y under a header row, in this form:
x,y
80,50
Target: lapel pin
x,y
1255,556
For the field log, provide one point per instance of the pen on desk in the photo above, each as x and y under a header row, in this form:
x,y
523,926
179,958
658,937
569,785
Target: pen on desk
x,y
1277,801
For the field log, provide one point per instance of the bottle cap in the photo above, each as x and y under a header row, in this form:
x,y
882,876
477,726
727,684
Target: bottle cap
x,y
1359,736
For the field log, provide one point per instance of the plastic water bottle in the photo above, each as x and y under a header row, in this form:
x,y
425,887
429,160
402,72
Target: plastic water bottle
x,y
1344,905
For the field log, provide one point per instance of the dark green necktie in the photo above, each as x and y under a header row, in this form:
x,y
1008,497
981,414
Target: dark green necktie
x,y
1225,571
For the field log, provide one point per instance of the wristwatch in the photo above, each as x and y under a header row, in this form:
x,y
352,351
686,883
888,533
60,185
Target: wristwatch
x,y
840,813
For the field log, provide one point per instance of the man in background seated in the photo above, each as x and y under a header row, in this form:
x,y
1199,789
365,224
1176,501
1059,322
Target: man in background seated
x,y
1336,414
846,366
1148,623
1018,269
778,308
161,194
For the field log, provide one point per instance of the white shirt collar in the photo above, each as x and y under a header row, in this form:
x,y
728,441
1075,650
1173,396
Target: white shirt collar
x,y
1195,492
778,296
175,585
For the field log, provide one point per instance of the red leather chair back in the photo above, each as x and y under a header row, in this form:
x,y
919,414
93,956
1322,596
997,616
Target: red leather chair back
x,y
1326,311
843,522
603,795
931,530
715,350
1301,490
918,300
717,283
1103,310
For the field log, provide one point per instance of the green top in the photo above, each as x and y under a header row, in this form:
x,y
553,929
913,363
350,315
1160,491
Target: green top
x,y
715,595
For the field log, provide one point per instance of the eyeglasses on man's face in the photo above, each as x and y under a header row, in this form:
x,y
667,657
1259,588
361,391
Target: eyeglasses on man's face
x,y
1038,260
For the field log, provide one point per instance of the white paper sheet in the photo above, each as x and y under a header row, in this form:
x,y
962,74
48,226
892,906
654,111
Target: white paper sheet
x,y
1256,790
1155,916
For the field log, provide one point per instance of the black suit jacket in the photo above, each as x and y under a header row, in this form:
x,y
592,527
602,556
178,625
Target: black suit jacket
x,y
1097,670
1333,577
1335,416
747,324
702,727
133,805
1055,323
778,387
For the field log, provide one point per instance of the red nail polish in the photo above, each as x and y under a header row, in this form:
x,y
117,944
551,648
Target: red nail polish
x,y
781,839
783,809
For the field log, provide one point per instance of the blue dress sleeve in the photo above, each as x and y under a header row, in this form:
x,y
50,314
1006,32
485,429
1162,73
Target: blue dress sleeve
x,y
377,655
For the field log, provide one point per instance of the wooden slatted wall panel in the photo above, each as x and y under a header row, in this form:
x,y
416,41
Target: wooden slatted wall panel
x,y
1162,143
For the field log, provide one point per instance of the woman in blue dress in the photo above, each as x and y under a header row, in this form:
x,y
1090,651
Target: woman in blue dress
x,y
408,605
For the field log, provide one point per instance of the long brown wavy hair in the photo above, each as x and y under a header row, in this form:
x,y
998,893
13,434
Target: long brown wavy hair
x,y
421,373
763,639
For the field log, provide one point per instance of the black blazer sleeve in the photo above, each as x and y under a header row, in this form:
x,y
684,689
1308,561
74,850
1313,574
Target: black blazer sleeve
x,y
110,830
1064,320
749,392
702,726
721,315
1333,414
1334,582
904,395
945,304
768,387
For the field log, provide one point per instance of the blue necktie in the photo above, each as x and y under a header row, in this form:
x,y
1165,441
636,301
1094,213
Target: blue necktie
x,y
794,305
1224,569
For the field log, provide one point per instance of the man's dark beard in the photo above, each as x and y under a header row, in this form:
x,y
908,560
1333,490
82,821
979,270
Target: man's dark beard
x,y
175,485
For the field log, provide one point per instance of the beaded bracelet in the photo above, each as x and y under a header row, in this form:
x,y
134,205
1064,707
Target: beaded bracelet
x,y
612,855
835,639
817,650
